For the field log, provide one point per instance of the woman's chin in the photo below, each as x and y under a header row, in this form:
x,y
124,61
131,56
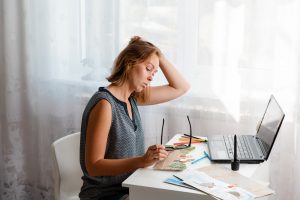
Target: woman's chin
x,y
140,89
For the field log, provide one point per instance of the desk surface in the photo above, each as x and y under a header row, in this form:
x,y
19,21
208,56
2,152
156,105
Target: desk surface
x,y
146,181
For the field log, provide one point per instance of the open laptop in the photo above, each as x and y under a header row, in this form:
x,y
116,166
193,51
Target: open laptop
x,y
251,148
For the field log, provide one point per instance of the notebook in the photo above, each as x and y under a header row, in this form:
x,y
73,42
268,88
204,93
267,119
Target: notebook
x,y
250,148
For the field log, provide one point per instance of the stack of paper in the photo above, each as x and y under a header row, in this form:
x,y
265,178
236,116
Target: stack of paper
x,y
220,182
203,182
226,175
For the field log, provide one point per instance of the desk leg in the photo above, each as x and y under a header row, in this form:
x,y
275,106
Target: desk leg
x,y
142,193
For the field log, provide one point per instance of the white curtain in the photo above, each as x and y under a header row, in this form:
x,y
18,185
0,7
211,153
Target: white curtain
x,y
54,54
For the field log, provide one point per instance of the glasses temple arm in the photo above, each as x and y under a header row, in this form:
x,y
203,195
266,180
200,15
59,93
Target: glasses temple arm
x,y
190,142
162,131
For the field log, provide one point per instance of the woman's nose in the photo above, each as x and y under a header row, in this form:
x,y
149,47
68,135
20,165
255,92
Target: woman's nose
x,y
151,76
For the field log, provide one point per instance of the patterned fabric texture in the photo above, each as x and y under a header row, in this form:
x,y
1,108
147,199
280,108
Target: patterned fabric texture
x,y
125,140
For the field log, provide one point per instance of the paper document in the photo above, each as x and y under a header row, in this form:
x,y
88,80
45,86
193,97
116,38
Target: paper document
x,y
176,160
226,175
214,187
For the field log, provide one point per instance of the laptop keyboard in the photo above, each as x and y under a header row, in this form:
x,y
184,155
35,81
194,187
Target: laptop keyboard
x,y
243,150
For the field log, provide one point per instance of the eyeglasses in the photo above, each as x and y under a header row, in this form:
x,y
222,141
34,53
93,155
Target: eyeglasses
x,y
173,147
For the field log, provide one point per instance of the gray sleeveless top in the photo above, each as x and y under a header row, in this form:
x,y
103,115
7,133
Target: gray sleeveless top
x,y
125,140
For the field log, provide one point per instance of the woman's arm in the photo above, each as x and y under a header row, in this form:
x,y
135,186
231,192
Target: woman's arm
x,y
177,85
100,120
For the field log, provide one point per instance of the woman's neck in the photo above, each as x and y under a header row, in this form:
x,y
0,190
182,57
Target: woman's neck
x,y
121,92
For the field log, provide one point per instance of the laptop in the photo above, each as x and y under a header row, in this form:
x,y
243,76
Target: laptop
x,y
250,148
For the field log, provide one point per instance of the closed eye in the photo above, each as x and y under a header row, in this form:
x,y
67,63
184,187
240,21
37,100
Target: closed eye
x,y
148,68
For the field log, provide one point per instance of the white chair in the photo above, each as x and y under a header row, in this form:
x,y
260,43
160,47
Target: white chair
x,y
67,171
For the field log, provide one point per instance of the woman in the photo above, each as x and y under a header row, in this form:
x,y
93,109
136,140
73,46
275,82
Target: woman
x,y
112,140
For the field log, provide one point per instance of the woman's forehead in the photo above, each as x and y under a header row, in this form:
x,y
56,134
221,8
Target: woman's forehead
x,y
153,60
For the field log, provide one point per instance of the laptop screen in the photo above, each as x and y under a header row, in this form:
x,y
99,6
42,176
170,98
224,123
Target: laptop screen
x,y
270,124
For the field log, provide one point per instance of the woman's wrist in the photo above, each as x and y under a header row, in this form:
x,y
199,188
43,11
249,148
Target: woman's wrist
x,y
141,162
162,61
145,161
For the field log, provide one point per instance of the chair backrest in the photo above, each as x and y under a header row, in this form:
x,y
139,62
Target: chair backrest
x,y
67,170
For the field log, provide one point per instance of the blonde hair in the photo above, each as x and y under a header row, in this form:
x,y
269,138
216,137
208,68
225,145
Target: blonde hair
x,y
137,51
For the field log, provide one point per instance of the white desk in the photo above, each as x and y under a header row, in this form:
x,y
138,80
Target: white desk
x,y
146,183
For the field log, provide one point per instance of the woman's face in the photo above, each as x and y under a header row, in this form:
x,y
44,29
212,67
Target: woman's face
x,y
142,73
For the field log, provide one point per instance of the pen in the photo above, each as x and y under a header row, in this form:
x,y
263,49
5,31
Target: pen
x,y
188,139
181,143
197,138
191,136
201,158
206,154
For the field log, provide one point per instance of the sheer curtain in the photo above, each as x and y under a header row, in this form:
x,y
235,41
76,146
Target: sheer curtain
x,y
54,54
